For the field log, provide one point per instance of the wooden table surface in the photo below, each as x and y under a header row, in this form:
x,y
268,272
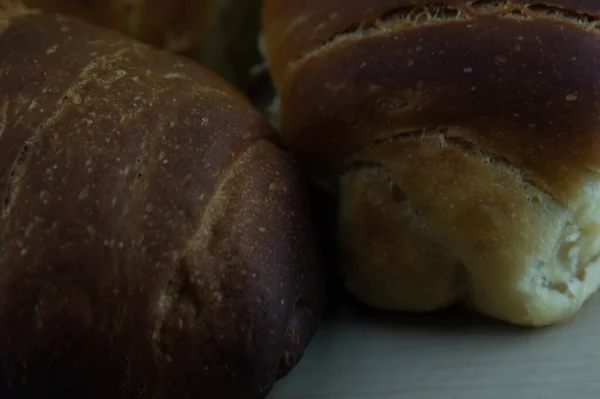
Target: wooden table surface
x,y
358,354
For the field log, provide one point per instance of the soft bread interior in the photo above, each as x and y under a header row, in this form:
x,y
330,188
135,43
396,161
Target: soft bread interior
x,y
498,242
573,269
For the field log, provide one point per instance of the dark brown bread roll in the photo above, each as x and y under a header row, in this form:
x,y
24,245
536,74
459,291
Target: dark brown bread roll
x,y
462,139
220,34
155,241
174,25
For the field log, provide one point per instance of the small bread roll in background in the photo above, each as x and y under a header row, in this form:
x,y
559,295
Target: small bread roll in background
x,y
462,140
155,241
220,34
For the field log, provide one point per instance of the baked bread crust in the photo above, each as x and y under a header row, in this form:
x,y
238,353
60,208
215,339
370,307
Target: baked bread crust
x,y
220,34
177,25
154,240
463,140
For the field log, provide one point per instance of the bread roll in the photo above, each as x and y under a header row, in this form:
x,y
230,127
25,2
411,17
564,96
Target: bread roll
x,y
220,34
177,25
155,240
462,139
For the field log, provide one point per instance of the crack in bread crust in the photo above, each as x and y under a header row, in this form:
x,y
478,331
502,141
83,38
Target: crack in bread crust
x,y
442,136
412,17
460,275
182,279
228,174
556,274
438,138
70,97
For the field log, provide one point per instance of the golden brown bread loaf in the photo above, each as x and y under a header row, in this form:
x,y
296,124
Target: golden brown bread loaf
x,y
154,239
220,34
462,138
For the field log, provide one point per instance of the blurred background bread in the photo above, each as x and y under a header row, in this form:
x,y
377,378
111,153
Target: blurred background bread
x,y
155,239
220,34
461,139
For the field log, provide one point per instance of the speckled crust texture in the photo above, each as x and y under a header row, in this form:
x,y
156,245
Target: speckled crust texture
x,y
220,34
462,139
177,25
155,242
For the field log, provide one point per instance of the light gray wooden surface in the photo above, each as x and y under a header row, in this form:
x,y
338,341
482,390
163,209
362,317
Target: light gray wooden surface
x,y
359,355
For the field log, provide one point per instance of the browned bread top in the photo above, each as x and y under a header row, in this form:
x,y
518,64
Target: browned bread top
x,y
219,34
295,28
175,25
154,241
462,140
519,79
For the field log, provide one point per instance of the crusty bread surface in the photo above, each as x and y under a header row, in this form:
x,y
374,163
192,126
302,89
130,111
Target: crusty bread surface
x,y
462,139
155,240
175,25
220,34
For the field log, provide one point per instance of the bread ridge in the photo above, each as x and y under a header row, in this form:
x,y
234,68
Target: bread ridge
x,y
415,17
435,281
481,122
161,24
149,176
471,101
554,298
302,29
216,33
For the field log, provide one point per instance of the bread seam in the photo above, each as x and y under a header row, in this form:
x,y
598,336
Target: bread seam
x,y
414,17
476,151
199,237
439,134
69,97
227,174
461,277
579,274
